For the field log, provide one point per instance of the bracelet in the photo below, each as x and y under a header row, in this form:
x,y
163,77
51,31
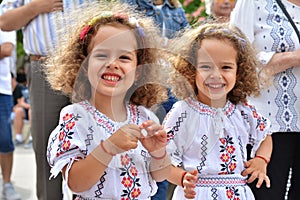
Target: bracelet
x,y
103,148
160,157
262,157
182,177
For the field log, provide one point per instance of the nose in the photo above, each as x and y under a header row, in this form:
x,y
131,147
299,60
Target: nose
x,y
113,64
215,73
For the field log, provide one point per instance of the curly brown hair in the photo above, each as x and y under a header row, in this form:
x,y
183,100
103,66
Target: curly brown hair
x,y
63,67
183,75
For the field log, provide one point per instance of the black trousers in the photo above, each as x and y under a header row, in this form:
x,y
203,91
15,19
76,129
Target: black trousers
x,y
284,157
45,108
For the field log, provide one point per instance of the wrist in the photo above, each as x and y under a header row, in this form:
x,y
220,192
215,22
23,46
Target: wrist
x,y
158,155
267,160
182,178
105,149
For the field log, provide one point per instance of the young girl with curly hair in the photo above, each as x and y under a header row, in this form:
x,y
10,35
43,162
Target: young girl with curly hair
x,y
108,144
210,127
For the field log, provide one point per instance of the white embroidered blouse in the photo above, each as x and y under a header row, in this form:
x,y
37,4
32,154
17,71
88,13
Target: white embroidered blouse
x,y
213,141
80,130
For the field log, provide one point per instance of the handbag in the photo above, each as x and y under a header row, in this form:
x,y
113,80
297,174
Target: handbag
x,y
289,18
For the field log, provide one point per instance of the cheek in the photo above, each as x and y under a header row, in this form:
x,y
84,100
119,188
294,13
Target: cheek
x,y
200,78
93,74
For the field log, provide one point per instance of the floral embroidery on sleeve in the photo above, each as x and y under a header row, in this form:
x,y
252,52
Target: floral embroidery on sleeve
x,y
130,179
66,132
261,121
227,155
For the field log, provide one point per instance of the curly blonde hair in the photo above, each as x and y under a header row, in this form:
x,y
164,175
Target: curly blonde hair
x,y
183,76
63,67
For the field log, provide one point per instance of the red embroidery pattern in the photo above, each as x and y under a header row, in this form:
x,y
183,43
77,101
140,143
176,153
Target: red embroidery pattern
x,y
261,122
232,193
66,132
227,155
130,179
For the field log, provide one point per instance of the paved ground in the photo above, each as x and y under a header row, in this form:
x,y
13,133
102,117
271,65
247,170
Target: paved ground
x,y
23,175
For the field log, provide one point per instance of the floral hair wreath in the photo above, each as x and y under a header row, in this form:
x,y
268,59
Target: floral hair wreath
x,y
106,14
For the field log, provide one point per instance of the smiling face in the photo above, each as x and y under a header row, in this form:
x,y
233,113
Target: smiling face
x,y
222,8
112,62
216,71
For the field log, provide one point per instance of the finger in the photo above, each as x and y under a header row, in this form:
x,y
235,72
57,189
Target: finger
x,y
146,123
151,127
252,178
189,193
246,164
132,131
161,135
268,182
259,182
247,171
194,172
135,135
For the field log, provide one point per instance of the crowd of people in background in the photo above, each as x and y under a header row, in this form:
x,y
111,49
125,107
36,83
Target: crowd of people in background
x,y
138,97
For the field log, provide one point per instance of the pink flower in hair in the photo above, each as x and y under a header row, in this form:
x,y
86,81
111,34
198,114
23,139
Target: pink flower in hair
x,y
84,32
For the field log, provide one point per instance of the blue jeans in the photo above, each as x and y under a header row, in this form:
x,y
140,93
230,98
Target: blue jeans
x,y
6,142
162,191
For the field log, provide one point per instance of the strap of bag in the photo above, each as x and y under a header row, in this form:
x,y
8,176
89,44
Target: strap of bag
x,y
289,18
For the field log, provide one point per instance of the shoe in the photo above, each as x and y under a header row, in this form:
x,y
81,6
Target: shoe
x,y
9,192
28,145
18,143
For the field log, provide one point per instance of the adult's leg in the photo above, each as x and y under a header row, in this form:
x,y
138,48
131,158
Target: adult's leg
x,y
18,122
45,108
294,193
6,143
277,170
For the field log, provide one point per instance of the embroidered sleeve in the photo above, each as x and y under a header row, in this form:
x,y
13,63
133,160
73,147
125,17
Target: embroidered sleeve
x,y
64,145
259,127
176,133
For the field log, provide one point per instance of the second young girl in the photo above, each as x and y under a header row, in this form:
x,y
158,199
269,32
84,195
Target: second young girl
x,y
107,144
208,130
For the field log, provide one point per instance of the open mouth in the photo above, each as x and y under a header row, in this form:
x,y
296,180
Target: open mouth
x,y
215,86
111,77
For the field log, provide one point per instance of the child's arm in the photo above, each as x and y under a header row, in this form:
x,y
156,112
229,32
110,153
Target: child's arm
x,y
155,142
257,166
185,179
84,173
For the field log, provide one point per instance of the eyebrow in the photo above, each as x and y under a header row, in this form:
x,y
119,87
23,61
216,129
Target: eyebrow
x,y
209,63
120,51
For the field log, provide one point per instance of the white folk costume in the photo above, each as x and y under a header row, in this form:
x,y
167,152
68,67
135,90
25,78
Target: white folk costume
x,y
80,130
213,141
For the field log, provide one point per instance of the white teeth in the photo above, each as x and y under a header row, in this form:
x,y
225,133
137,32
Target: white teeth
x,y
215,85
111,78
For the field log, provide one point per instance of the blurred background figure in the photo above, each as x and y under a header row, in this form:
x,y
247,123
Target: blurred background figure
x,y
39,21
219,10
7,44
21,109
277,42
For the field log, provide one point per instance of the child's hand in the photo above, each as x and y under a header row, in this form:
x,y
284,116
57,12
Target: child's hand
x,y
189,183
257,169
123,139
156,139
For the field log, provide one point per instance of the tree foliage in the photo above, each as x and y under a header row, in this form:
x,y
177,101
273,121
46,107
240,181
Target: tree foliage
x,y
195,10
